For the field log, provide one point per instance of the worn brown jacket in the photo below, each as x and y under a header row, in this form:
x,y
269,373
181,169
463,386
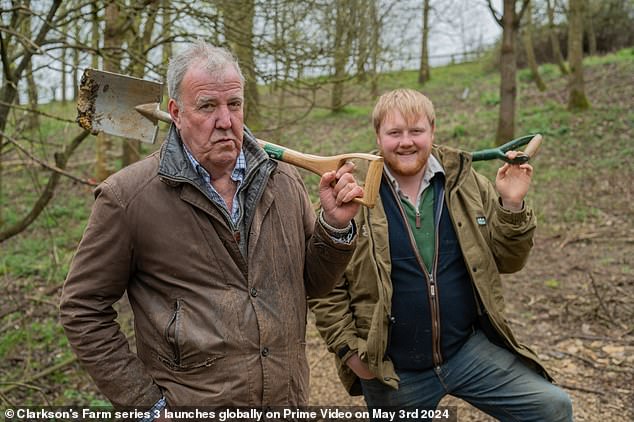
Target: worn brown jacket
x,y
354,316
219,311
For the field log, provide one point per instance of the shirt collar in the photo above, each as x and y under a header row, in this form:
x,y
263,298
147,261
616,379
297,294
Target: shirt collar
x,y
432,167
237,174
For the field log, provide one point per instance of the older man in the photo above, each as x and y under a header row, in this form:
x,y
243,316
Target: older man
x,y
217,247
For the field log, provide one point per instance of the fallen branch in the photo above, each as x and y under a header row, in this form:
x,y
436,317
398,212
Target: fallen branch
x,y
584,389
599,297
579,238
592,338
13,385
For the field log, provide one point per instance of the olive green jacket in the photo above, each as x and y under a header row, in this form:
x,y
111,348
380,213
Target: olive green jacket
x,y
355,314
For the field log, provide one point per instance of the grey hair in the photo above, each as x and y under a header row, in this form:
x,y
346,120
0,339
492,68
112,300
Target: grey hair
x,y
212,58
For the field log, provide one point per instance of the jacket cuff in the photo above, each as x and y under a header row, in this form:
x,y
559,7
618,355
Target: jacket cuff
x,y
515,218
334,250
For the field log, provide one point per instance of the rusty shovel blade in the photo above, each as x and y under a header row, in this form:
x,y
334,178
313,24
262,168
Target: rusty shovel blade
x,y
107,103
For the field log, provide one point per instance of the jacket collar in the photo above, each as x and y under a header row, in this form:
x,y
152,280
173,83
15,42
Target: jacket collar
x,y
176,167
455,162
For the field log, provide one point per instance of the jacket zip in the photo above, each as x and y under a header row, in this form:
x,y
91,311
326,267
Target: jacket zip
x,y
434,301
434,304
172,335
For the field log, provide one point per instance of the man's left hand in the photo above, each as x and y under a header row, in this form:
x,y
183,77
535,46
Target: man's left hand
x,y
336,192
512,183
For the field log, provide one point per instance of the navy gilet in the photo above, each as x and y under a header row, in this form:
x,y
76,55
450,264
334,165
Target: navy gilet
x,y
410,336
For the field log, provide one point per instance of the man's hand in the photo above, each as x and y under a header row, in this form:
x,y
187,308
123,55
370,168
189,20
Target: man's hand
x,y
512,183
336,201
359,367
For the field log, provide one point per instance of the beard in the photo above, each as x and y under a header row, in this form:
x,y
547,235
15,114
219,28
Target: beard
x,y
406,168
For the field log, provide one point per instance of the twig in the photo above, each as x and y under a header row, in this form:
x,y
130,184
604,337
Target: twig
x,y
46,165
596,292
32,110
13,385
579,238
584,389
318,361
593,338
586,360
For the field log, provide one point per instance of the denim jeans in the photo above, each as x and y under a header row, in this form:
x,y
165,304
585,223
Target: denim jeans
x,y
487,376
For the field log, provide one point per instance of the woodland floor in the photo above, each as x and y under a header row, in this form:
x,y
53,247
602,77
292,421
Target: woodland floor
x,y
569,307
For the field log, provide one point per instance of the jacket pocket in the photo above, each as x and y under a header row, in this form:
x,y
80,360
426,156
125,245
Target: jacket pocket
x,y
174,337
171,332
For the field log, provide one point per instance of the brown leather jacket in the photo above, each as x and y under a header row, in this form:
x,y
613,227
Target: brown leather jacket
x,y
219,311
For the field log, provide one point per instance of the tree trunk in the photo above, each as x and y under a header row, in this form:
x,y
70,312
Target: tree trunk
x,y
577,99
95,31
238,29
530,51
138,42
554,39
376,48
62,75
361,28
13,73
590,32
341,54
424,73
77,36
112,43
166,49
508,74
32,119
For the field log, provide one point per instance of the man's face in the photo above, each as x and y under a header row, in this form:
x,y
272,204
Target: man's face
x,y
210,116
405,146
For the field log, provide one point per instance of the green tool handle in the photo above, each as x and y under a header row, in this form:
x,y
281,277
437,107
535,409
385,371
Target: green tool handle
x,y
499,152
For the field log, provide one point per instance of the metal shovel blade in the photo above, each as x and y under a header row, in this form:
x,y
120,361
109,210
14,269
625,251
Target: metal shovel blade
x,y
107,104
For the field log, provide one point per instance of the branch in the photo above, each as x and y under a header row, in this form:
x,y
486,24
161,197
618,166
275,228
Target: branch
x,y
61,159
45,164
35,377
495,13
46,26
584,389
6,64
41,113
525,5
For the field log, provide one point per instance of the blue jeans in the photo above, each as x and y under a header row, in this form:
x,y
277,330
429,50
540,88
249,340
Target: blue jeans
x,y
487,376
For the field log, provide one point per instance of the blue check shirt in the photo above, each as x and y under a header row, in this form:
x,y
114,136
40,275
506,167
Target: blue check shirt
x,y
237,175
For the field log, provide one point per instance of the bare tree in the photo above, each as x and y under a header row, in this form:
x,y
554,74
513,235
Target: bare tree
x,y
554,39
376,25
116,23
238,19
16,53
139,38
530,51
589,11
424,73
510,22
577,99
341,51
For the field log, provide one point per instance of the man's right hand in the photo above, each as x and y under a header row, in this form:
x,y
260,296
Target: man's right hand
x,y
359,367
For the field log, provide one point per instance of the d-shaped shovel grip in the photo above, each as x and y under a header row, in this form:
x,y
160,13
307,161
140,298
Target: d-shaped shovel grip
x,y
533,141
320,165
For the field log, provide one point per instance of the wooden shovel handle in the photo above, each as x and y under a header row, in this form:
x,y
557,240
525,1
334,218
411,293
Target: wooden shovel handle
x,y
314,163
320,165
533,146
